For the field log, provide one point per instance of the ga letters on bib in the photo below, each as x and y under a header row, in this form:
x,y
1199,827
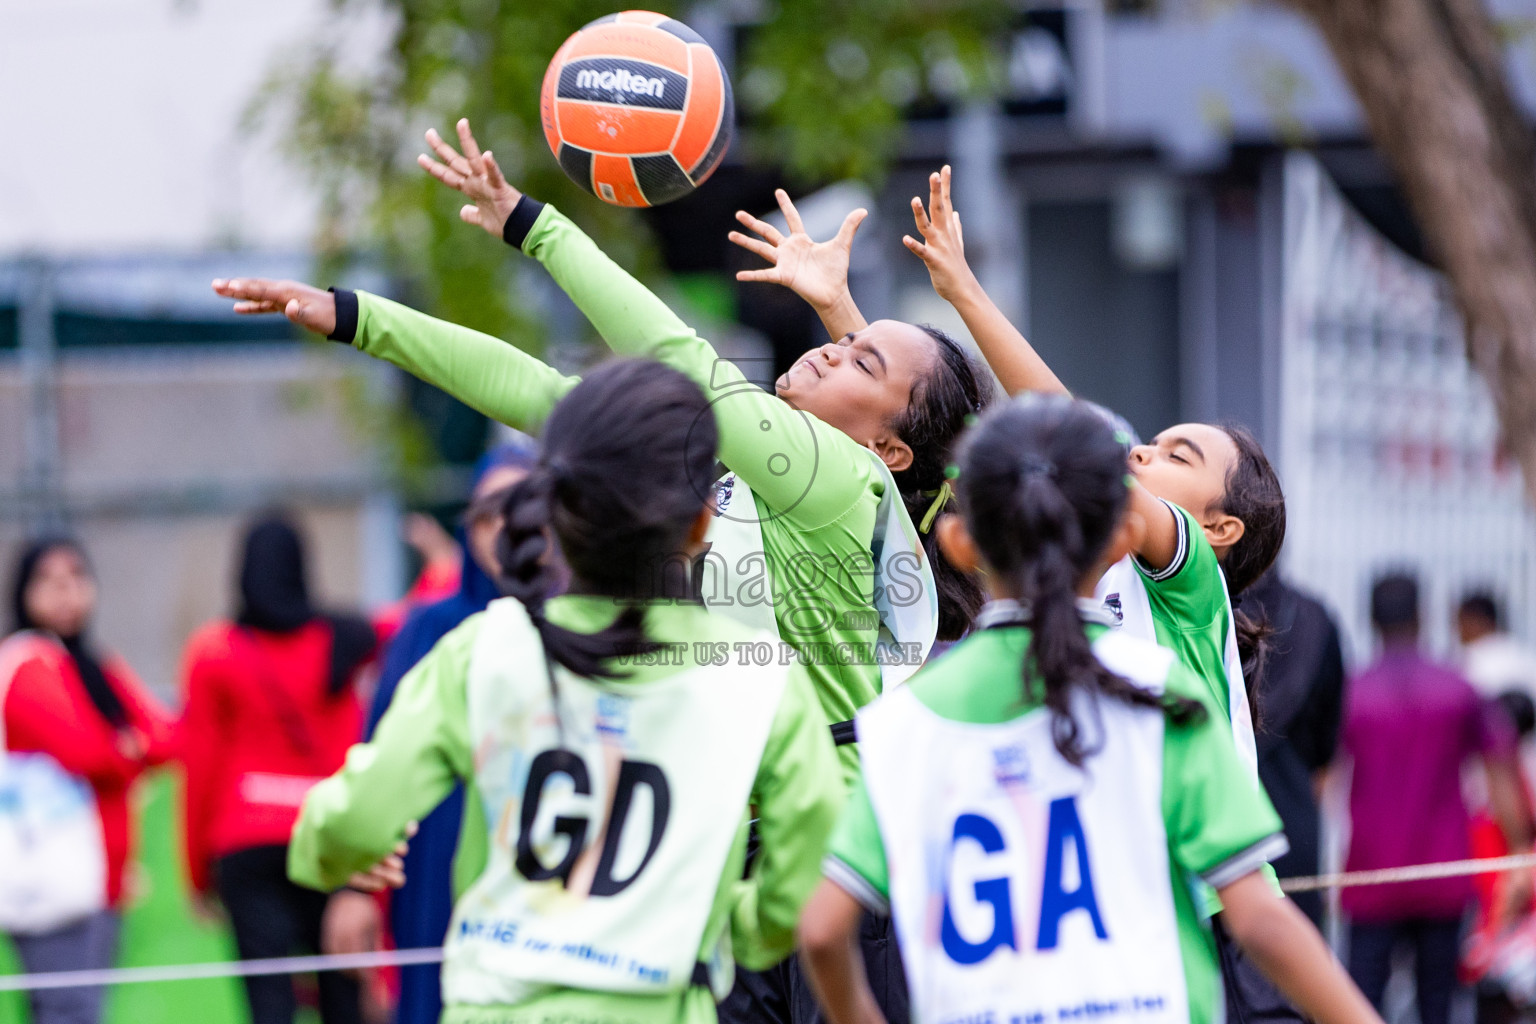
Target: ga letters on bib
x,y
1026,890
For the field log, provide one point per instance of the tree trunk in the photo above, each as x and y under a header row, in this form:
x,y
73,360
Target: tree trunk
x,y
1429,76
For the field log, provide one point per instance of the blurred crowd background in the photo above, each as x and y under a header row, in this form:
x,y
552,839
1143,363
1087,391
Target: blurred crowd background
x,y
1179,203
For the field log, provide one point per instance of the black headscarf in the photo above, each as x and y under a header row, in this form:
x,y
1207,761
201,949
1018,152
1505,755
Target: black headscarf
x,y
274,597
102,695
274,593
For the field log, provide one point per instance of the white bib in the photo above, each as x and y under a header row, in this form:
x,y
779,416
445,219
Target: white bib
x,y
1122,591
737,582
1027,891
55,863
609,827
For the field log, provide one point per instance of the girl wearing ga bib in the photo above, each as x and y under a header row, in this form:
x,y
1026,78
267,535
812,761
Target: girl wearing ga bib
x,y
1035,806
1212,503
610,757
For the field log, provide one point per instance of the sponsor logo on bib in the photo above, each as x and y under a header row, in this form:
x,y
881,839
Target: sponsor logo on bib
x,y
1113,606
1010,765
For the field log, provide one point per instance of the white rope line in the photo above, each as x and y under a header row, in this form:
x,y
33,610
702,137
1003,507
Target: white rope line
x,y
228,969
1413,873
433,955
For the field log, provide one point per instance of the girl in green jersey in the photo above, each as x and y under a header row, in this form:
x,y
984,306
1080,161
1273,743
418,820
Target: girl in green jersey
x,y
1034,805
849,424
853,421
611,760
1218,474
1208,505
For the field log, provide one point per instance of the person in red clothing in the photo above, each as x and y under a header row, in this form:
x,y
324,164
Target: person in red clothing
x,y
76,716
270,710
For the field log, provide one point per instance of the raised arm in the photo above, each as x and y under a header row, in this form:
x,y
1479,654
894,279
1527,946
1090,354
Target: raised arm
x,y
793,461
815,271
1164,536
1017,365
497,379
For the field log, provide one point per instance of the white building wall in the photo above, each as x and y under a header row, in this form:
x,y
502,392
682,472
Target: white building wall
x,y
122,122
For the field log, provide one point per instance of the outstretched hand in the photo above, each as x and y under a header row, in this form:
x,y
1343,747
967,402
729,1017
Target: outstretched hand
x,y
304,304
476,175
943,247
815,271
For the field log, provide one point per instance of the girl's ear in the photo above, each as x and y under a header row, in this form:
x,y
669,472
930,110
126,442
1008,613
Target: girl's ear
x,y
893,451
1223,531
956,542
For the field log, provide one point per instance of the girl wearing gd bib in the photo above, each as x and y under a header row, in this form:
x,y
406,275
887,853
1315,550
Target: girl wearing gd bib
x,y
854,424
613,761
1035,845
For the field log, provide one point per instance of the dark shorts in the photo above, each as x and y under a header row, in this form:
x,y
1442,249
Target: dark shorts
x,y
782,994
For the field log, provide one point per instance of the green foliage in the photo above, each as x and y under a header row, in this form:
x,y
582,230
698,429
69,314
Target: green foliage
x,y
822,81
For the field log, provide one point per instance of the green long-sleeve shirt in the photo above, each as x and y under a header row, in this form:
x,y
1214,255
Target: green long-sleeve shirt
x,y
422,747
816,489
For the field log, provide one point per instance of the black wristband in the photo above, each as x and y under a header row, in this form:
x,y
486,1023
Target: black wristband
x,y
346,316
520,222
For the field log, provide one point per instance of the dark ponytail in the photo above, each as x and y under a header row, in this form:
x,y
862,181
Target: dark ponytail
x,y
1253,495
942,402
627,459
1043,486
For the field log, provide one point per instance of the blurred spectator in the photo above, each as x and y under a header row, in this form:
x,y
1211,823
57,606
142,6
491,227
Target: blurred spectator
x,y
1501,959
78,729
441,562
270,710
419,912
1492,660
1301,698
1409,728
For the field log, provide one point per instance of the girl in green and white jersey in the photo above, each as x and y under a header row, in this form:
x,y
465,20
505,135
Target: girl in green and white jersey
x,y
612,759
1035,805
1211,505
1208,504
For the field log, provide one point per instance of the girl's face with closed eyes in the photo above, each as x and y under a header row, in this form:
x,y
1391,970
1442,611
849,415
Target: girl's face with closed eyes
x,y
1188,465
862,383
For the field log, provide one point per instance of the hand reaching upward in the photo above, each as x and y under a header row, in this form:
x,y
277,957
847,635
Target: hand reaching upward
x,y
476,175
943,247
1017,365
815,271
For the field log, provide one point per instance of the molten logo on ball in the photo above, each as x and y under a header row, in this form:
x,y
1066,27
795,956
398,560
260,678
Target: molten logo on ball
x,y
637,108
621,81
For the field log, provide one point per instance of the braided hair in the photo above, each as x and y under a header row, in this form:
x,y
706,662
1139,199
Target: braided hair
x,y
627,461
1042,487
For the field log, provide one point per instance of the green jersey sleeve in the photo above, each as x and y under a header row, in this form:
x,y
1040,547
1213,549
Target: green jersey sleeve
x,y
1220,823
1188,600
419,750
855,860
490,376
797,793
1190,586
804,469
